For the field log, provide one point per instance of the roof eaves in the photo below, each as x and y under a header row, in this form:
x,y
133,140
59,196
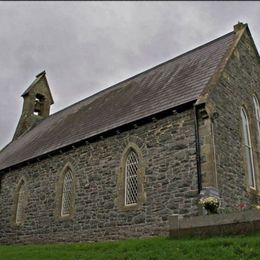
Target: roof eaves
x,y
185,105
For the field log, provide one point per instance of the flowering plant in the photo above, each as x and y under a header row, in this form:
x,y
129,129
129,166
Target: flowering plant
x,y
256,206
211,204
242,206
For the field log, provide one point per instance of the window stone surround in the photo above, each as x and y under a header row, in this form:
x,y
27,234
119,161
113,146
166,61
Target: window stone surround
x,y
141,195
59,192
22,181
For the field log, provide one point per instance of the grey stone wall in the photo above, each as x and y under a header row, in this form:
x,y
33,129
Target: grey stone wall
x,y
239,81
170,187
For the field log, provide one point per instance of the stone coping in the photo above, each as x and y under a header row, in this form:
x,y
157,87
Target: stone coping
x,y
218,224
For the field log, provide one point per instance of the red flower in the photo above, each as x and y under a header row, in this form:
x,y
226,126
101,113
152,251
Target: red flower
x,y
242,205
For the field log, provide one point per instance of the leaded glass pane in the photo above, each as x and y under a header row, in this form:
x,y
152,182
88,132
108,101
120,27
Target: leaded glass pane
x,y
248,149
67,193
257,113
131,169
20,203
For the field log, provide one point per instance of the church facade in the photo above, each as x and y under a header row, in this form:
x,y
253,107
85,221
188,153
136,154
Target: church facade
x,y
119,163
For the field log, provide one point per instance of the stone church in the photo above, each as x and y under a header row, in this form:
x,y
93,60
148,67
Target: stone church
x,y
117,164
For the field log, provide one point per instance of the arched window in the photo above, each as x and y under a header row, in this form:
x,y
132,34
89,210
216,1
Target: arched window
x,y
248,149
257,113
131,178
20,203
67,193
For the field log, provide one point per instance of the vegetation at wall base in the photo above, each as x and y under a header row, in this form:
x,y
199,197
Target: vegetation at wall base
x,y
228,247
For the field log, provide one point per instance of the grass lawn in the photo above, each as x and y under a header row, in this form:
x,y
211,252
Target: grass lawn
x,y
233,247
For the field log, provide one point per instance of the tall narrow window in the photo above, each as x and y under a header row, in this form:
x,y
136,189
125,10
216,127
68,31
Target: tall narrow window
x,y
257,113
131,170
248,149
67,193
20,203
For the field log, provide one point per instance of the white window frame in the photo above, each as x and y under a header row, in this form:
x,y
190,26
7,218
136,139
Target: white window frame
x,y
257,113
131,178
67,193
248,149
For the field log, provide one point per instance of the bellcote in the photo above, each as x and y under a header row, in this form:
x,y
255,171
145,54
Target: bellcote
x,y
36,106
239,26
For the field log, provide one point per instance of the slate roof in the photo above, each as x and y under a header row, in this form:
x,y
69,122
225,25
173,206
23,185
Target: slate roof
x,y
170,84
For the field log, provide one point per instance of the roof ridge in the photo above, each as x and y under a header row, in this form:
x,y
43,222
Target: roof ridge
x,y
143,72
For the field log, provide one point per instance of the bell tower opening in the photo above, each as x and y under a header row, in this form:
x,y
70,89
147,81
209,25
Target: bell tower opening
x,y
38,105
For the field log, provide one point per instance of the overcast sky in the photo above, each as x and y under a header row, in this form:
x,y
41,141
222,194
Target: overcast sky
x,y
88,46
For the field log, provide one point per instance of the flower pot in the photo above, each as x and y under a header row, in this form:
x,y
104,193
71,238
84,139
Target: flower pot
x,y
211,209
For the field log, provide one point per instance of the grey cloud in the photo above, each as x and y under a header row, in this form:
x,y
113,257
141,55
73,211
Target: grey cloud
x,y
87,46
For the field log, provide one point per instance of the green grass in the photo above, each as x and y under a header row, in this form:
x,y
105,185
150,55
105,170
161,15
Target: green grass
x,y
233,247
